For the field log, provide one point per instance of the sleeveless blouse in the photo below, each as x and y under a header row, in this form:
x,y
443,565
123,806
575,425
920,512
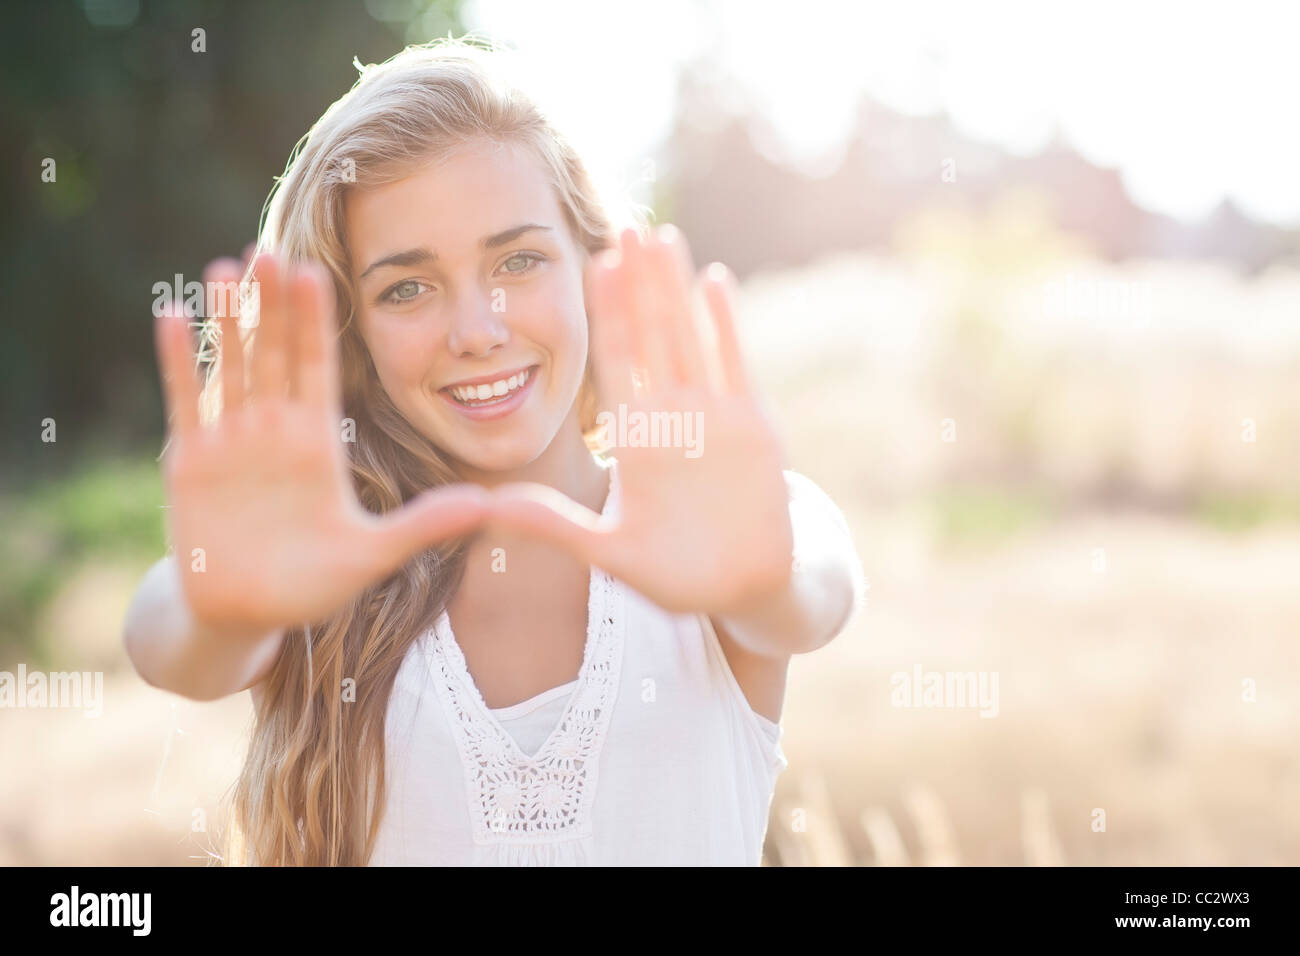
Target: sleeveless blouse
x,y
651,756
530,722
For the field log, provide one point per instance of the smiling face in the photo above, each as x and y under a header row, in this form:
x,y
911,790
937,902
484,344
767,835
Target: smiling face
x,y
469,296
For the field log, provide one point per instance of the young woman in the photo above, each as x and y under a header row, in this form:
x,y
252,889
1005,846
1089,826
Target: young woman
x,y
470,638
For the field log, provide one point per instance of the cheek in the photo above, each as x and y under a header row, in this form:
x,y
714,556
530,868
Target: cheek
x,y
402,359
565,339
557,320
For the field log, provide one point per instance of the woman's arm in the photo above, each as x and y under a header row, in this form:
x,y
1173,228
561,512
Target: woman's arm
x,y
173,651
826,585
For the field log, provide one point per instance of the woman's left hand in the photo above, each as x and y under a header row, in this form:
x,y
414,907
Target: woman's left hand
x,y
705,524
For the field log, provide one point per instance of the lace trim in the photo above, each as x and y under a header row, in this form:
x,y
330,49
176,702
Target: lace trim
x,y
514,798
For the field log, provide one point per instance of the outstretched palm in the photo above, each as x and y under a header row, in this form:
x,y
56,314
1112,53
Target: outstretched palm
x,y
703,529
262,515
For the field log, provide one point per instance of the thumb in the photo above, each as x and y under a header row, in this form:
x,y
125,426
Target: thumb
x,y
430,518
549,514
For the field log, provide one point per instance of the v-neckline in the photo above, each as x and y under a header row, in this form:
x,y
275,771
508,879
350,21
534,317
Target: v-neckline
x,y
598,606
595,610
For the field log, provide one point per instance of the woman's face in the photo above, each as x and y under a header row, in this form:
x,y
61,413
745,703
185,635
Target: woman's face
x,y
469,293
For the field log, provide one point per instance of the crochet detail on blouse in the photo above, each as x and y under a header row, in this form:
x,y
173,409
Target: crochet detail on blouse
x,y
515,799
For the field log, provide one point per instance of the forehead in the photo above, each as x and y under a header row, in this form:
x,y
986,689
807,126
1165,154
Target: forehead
x,y
450,204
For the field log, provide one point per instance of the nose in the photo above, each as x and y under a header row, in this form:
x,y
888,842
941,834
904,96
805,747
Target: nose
x,y
476,328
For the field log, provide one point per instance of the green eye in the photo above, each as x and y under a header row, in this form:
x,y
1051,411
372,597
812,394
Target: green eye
x,y
403,291
528,258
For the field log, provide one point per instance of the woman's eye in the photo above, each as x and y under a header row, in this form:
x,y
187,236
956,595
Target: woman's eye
x,y
527,258
403,291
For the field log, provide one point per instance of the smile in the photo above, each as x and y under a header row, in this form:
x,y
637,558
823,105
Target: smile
x,y
491,399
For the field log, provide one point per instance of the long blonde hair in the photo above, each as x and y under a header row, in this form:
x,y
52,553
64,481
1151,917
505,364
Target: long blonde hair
x,y
312,788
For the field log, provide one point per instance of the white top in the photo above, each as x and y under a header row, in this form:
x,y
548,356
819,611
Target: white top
x,y
532,721
652,756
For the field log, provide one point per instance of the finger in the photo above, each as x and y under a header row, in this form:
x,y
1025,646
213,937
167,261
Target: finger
x,y
671,260
232,365
317,339
270,358
227,274
176,367
610,348
291,292
718,286
249,256
430,518
640,295
550,515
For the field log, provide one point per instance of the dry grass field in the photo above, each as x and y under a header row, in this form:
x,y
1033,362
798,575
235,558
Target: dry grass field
x,y
1096,533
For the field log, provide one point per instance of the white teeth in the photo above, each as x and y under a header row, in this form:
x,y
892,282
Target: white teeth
x,y
470,394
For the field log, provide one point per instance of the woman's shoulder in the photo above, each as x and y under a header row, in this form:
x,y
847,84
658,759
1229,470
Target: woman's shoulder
x,y
807,493
821,529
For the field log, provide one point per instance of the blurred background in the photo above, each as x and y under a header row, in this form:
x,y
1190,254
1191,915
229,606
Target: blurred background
x,y
1022,286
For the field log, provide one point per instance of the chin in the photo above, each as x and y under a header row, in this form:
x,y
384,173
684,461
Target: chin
x,y
502,460
499,454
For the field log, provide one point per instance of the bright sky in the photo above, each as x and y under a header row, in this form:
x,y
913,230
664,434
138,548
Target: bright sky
x,y
1192,101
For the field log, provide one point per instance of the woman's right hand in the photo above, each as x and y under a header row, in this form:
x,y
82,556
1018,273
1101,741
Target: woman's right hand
x,y
267,530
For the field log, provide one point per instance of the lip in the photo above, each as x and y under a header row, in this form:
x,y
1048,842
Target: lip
x,y
499,410
488,379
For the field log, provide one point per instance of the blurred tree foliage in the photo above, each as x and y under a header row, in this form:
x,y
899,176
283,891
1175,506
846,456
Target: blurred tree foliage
x,y
163,159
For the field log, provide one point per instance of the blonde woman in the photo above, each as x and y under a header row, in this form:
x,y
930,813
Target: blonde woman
x,y
470,637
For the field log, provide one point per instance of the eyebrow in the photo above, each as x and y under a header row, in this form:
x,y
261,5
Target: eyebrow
x,y
424,255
